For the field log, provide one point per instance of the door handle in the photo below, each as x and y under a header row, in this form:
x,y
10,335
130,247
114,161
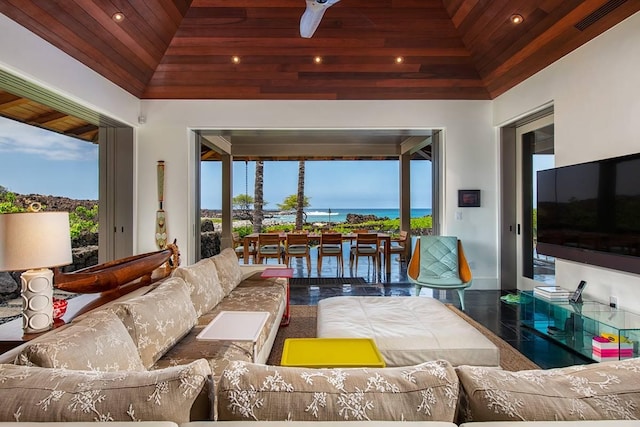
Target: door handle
x,y
518,229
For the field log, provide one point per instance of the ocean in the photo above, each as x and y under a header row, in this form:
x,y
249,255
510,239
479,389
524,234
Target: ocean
x,y
340,215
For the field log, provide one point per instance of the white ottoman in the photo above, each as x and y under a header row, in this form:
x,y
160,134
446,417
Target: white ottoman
x,y
407,330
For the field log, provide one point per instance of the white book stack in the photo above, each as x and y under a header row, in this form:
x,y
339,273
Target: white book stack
x,y
553,293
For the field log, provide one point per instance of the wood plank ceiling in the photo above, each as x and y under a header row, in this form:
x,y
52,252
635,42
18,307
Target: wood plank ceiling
x,y
450,49
36,114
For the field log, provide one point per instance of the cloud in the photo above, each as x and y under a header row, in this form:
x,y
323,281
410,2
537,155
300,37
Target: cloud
x,y
16,137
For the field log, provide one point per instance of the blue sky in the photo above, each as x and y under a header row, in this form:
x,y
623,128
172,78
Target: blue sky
x,y
328,184
36,161
33,160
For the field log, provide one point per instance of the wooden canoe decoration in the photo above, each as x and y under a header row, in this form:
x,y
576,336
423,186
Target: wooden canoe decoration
x,y
161,224
113,274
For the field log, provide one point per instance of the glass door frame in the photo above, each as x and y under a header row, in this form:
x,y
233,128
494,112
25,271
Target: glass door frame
x,y
524,233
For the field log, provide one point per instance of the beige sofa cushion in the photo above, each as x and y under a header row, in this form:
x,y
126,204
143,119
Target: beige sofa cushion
x,y
159,319
204,284
99,342
269,297
228,269
425,392
46,394
607,390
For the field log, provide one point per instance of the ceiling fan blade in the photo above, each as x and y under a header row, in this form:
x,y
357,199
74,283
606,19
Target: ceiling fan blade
x,y
313,15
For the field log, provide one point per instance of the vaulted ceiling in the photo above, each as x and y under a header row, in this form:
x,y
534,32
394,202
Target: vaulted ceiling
x,y
449,49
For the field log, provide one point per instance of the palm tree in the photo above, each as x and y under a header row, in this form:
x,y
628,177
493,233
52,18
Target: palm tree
x,y
300,204
258,212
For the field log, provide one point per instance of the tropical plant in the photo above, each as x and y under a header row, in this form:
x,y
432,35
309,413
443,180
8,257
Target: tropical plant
x,y
242,201
243,230
8,202
419,226
290,203
83,220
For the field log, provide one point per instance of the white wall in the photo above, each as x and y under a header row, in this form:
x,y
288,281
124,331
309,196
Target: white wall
x,y
469,147
596,95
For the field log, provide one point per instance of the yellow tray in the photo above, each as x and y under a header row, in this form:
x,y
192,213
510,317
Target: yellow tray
x,y
331,353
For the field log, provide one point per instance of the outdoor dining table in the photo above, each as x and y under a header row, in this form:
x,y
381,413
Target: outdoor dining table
x,y
384,239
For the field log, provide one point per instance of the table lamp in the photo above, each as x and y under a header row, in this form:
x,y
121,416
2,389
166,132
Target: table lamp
x,y
34,241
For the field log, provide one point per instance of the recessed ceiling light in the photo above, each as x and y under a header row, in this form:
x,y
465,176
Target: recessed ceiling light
x,y
516,19
317,59
399,59
118,16
235,59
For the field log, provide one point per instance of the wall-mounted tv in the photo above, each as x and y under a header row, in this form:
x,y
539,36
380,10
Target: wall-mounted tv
x,y
590,213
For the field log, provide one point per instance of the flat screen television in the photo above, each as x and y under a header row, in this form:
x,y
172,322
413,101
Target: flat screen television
x,y
590,213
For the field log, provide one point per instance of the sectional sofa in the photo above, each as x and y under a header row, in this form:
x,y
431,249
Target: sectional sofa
x,y
137,359
142,348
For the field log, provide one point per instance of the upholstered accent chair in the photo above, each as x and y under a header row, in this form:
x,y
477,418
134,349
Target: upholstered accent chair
x,y
331,246
297,246
269,247
438,262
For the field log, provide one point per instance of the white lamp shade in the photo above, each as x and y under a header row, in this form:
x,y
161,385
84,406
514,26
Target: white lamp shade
x,y
34,240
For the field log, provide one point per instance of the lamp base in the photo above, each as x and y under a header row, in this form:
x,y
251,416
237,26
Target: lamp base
x,y
37,300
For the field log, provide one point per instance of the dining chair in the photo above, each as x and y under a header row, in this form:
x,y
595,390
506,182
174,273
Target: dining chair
x,y
352,240
297,246
238,246
366,245
269,247
438,262
331,246
398,246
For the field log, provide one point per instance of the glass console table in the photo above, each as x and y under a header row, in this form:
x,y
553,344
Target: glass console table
x,y
574,325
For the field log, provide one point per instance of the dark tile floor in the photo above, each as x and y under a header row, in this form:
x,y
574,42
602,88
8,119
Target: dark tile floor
x,y
482,305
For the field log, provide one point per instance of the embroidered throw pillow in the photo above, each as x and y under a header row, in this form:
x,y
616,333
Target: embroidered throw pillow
x,y
204,284
98,342
228,269
425,392
159,319
37,394
607,390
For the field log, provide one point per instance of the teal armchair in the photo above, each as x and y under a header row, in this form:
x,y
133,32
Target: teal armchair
x,y
438,262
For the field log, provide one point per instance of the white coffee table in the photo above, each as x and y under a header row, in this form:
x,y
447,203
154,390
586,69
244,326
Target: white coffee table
x,y
236,326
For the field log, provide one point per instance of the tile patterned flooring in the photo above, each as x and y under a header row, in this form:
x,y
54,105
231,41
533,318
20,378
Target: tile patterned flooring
x,y
482,305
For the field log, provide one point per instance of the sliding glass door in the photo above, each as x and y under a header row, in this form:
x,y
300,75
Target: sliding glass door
x,y
534,151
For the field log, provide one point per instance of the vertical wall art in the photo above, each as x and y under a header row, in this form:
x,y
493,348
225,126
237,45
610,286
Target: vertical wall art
x,y
161,223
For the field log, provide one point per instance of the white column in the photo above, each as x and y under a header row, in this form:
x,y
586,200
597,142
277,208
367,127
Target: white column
x,y
405,191
226,240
